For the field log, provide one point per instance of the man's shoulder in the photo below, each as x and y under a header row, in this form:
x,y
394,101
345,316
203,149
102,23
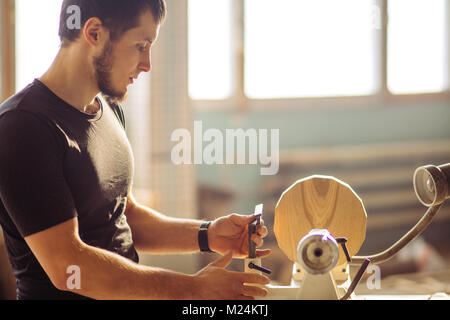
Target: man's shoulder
x,y
32,99
18,101
21,117
22,125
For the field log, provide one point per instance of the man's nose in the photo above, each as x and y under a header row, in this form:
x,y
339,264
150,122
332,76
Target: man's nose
x,y
146,64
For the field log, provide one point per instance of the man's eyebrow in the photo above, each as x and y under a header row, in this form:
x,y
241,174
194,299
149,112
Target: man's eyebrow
x,y
149,40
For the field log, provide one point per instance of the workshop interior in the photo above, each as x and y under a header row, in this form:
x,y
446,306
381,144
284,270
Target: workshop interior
x,y
344,110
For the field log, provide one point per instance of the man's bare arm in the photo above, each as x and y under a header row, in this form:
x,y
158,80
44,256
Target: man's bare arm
x,y
156,233
106,275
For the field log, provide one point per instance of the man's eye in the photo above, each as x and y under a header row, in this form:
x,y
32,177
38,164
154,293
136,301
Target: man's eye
x,y
142,48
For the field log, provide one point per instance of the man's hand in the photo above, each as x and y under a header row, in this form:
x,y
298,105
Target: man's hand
x,y
214,282
231,233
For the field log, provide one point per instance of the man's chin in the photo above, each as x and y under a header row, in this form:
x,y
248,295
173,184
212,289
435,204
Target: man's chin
x,y
115,97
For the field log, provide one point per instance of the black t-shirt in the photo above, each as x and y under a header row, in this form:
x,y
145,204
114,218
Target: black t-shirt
x,y
58,163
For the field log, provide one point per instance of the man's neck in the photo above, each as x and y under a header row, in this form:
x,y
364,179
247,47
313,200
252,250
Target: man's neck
x,y
72,79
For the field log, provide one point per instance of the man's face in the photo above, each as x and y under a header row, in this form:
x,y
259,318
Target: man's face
x,y
121,62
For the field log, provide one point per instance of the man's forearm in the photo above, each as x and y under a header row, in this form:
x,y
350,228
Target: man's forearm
x,y
158,234
106,275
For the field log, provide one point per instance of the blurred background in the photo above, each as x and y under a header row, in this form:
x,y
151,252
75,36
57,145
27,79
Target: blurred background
x,y
359,90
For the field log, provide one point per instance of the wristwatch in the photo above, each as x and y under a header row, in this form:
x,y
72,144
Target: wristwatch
x,y
203,237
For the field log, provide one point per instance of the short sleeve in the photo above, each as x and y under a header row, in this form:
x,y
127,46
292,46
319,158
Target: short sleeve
x,y
33,188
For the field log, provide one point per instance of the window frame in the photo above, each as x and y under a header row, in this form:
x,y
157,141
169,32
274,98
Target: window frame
x,y
7,57
239,101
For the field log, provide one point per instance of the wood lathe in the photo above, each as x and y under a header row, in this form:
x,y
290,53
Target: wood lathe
x,y
320,224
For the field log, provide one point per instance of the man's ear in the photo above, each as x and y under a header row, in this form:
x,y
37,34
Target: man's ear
x,y
93,31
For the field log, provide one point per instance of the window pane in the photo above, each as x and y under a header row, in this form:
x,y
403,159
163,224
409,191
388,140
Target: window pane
x,y
209,49
301,48
1,56
417,46
37,41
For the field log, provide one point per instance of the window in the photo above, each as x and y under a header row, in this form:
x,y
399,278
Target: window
x,y
7,51
417,52
209,49
2,49
37,41
315,49
308,48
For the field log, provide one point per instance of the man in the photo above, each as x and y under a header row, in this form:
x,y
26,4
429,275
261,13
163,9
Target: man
x,y
66,171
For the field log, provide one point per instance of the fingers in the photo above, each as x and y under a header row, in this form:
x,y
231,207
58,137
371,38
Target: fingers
x,y
263,253
224,261
257,240
254,291
241,220
243,297
224,284
249,277
262,229
250,285
259,235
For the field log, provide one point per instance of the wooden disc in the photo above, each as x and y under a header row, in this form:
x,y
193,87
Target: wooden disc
x,y
319,202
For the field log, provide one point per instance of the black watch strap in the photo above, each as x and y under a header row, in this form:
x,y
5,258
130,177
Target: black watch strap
x,y
203,237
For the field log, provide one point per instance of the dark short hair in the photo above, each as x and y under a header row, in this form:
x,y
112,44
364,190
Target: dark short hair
x,y
117,16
